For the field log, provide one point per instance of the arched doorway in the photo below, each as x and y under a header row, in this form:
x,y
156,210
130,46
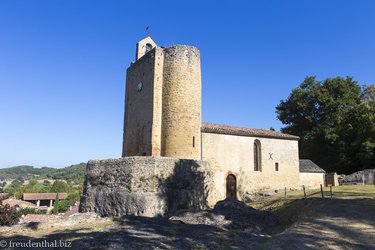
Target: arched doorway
x,y
231,187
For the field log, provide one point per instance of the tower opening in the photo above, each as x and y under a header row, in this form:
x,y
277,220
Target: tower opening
x,y
148,47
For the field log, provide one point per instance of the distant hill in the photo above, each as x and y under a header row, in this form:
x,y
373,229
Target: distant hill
x,y
23,171
74,173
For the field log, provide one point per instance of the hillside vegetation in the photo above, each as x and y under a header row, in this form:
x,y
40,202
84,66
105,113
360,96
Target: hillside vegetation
x,y
74,173
27,179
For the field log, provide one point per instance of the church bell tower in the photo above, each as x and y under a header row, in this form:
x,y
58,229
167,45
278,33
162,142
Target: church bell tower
x,y
163,102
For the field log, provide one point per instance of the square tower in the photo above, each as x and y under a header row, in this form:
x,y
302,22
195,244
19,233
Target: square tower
x,y
163,102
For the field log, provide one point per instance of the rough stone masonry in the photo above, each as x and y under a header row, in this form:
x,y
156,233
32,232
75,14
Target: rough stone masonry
x,y
145,186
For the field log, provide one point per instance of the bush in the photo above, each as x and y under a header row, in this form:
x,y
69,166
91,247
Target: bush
x,y
9,215
69,201
29,210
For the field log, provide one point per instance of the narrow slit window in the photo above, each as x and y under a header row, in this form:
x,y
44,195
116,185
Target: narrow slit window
x,y
276,166
193,141
257,156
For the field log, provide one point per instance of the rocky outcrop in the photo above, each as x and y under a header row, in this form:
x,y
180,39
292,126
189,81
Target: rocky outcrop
x,y
147,186
366,176
231,214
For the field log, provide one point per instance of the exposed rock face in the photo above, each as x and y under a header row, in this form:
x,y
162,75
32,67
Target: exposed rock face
x,y
201,218
243,216
232,214
145,185
357,177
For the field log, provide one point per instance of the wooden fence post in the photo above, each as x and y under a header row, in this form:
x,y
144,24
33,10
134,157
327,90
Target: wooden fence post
x,y
330,190
363,178
285,193
321,190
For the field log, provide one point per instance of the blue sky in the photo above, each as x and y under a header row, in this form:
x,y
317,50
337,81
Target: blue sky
x,y
63,63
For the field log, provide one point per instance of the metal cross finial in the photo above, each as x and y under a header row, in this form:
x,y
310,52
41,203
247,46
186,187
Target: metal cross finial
x,y
148,31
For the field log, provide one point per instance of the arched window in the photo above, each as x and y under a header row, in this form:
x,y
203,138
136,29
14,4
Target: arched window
x,y
257,156
148,47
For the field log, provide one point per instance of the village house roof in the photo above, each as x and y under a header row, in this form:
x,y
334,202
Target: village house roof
x,y
255,132
43,196
307,166
14,202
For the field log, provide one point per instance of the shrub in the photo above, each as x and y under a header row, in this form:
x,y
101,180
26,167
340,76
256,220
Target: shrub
x,y
9,215
69,201
30,210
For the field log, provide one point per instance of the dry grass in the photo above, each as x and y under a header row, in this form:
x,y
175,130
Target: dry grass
x,y
339,192
295,207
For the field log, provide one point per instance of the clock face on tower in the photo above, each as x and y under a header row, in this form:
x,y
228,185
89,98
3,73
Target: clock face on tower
x,y
139,86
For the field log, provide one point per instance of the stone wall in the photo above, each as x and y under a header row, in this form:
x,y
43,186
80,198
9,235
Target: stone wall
x,y
146,186
311,180
139,106
231,154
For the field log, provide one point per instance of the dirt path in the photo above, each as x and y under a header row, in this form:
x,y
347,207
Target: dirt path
x,y
332,224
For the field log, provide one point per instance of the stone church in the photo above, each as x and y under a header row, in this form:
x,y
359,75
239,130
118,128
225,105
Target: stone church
x,y
172,160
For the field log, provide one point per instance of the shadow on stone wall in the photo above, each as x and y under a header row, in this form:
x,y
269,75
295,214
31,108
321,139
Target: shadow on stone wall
x,y
187,188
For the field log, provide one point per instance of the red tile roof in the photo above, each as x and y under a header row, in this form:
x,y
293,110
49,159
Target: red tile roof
x,y
255,132
15,202
43,196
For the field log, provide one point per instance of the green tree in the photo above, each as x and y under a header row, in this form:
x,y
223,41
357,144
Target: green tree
x,y
33,187
60,187
15,189
69,201
56,204
20,179
335,121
